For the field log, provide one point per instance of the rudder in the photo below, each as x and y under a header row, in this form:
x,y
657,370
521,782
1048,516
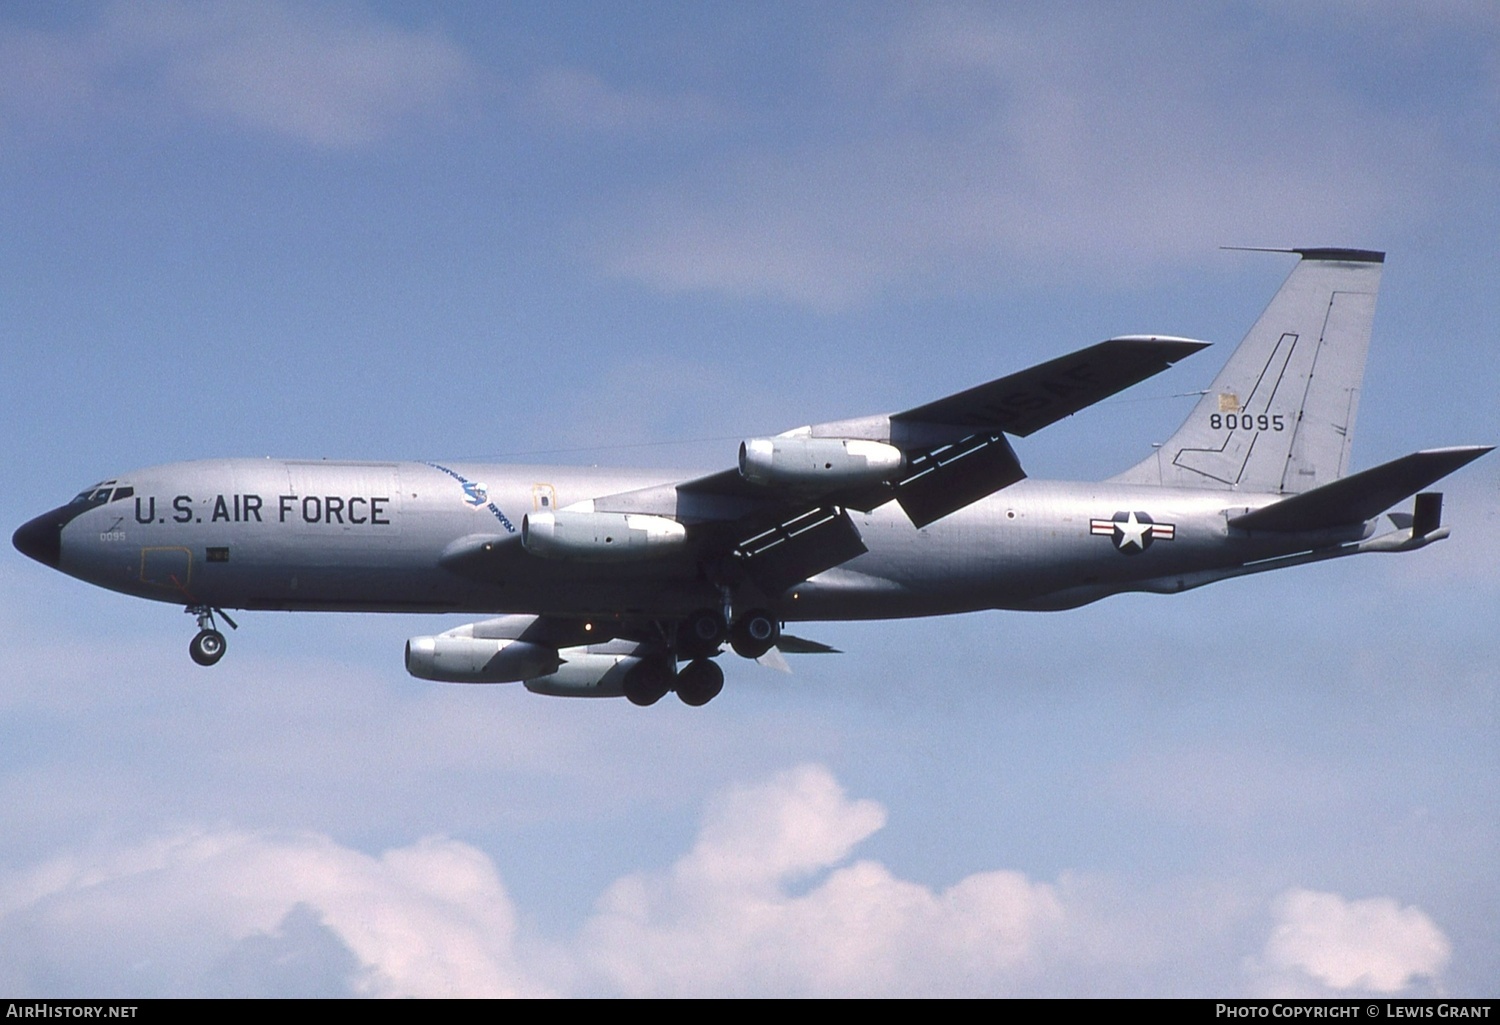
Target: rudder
x,y
1279,417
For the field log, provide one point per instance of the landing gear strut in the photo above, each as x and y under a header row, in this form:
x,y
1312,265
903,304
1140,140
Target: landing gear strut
x,y
209,645
696,640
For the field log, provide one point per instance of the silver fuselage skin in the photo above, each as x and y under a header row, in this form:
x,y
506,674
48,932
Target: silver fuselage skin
x,y
344,536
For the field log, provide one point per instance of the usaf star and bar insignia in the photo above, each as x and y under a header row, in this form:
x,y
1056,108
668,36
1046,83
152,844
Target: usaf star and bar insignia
x,y
1133,532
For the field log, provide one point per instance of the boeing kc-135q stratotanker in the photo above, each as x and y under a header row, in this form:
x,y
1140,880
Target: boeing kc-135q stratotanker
x,y
631,582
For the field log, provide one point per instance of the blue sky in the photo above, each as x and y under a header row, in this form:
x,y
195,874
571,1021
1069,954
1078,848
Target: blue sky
x,y
634,234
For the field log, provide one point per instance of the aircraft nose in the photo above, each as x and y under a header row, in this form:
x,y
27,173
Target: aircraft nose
x,y
41,539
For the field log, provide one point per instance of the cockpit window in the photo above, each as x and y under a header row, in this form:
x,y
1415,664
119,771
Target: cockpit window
x,y
98,494
122,493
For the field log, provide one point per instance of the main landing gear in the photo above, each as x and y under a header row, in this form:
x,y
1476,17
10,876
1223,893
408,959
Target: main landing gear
x,y
650,680
699,682
209,645
697,639
696,683
754,633
703,633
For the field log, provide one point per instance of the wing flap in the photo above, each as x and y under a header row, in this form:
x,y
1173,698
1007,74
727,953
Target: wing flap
x,y
949,478
799,548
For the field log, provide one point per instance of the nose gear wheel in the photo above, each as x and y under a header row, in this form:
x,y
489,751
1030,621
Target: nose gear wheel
x,y
209,645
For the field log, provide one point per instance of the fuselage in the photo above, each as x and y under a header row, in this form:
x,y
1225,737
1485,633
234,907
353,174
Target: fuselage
x,y
343,536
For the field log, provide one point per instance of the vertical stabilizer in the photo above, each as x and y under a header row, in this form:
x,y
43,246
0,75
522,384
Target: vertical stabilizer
x,y
1279,417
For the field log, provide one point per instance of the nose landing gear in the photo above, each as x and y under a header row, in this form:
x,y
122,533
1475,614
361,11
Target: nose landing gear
x,y
209,645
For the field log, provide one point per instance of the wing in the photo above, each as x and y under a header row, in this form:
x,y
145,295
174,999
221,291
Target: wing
x,y
782,514
1022,404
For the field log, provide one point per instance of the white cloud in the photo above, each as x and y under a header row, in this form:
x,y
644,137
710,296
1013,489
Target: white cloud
x,y
797,823
224,910
161,917
1371,945
765,902
327,77
728,918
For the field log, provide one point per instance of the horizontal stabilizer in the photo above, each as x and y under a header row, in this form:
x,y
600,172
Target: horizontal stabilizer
x,y
1324,253
1361,497
1025,402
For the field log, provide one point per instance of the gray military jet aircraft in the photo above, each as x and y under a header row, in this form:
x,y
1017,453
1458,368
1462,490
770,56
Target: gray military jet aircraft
x,y
630,582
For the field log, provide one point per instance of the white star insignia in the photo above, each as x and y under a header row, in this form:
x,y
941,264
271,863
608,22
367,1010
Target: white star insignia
x,y
1132,532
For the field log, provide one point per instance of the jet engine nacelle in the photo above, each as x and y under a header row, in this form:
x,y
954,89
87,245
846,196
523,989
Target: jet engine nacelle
x,y
586,675
599,536
453,658
818,462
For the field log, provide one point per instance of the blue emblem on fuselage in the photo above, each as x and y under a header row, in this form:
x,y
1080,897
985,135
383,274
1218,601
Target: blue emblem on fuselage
x,y
477,495
475,492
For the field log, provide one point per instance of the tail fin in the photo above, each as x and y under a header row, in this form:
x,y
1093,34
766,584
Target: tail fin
x,y
1280,416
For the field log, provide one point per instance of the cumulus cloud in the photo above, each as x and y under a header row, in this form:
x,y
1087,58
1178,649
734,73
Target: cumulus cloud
x,y
327,77
764,902
220,909
767,901
731,918
1371,945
